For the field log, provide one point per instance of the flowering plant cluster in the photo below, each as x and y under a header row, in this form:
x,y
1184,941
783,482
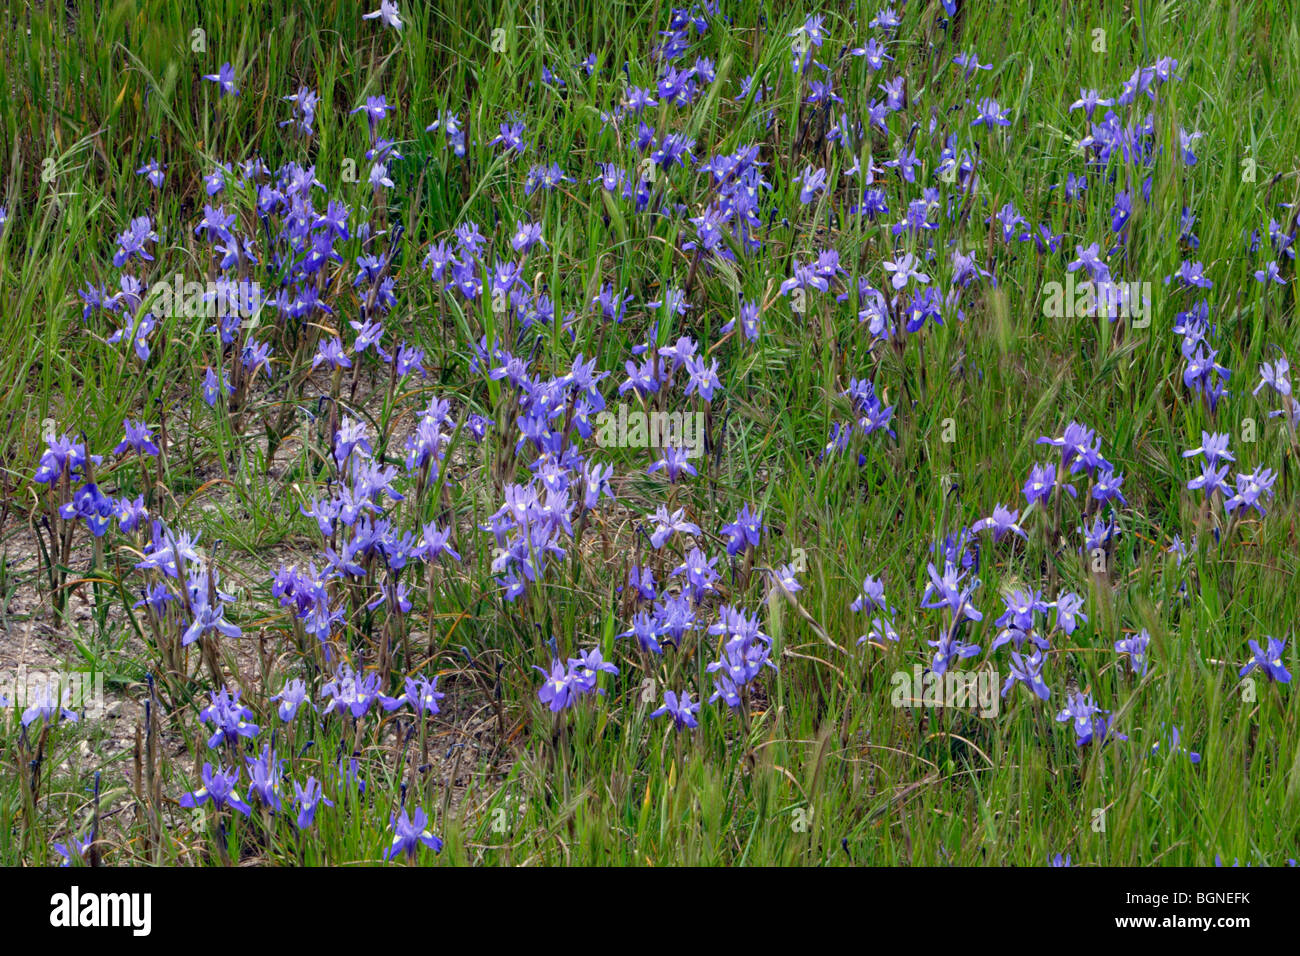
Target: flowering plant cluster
x,y
392,577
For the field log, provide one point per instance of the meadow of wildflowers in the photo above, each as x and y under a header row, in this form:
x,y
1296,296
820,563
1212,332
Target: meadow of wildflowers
x,y
607,433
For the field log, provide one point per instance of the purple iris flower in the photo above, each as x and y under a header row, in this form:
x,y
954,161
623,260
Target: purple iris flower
x,y
1029,671
92,506
681,709
969,62
219,787
644,629
74,849
1088,101
225,80
1000,522
139,438
231,719
1135,646
990,114
1213,447
1252,489
666,525
350,692
1089,721
1080,448
292,697
421,694
409,832
1268,660
811,183
266,778
46,701
558,690
1042,480
699,573
386,14
871,597
1176,747
1276,376
153,171
1068,613
209,608
947,591
744,532
703,380
586,668
1210,480
308,798
674,462
511,137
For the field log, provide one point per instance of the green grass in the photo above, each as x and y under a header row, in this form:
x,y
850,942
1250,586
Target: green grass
x,y
825,770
